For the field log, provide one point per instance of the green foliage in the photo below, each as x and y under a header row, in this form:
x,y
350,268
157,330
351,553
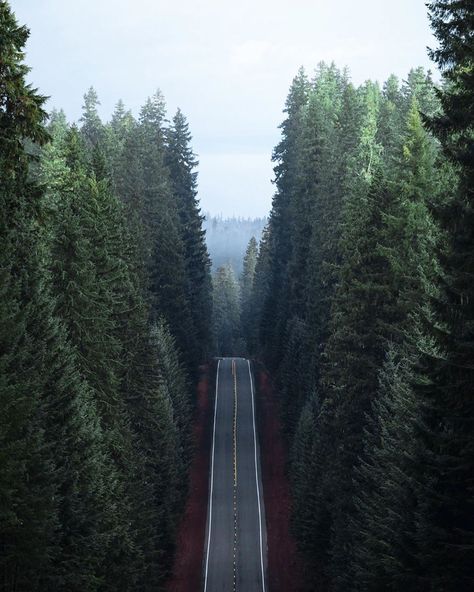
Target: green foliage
x,y
226,313
285,156
259,295
28,511
181,163
247,280
104,293
92,129
445,514
362,298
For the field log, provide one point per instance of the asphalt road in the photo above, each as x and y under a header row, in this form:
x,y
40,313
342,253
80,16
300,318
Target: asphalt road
x,y
235,552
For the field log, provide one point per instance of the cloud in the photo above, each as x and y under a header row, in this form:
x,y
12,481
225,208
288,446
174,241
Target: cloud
x,y
228,65
250,53
236,184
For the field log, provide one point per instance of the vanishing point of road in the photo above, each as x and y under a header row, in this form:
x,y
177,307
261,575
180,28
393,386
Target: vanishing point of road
x,y
235,551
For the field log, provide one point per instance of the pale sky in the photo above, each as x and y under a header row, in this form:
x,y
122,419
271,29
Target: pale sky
x,y
227,65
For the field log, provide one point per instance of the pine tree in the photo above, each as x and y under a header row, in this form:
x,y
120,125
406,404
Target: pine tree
x,y
285,155
117,132
388,477
28,514
95,421
314,201
259,294
51,488
361,317
87,276
165,251
294,375
444,514
332,122
301,462
173,376
384,520
159,462
390,122
92,129
226,311
181,163
247,279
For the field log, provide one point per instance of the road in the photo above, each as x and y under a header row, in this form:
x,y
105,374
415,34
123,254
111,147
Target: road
x,y
235,552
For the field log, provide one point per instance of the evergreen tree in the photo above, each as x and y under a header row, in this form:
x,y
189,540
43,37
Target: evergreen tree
x,y
173,376
165,253
246,287
331,126
226,301
362,291
384,521
259,296
54,504
87,275
28,511
95,410
444,513
285,155
248,273
92,129
117,132
181,163
388,479
301,462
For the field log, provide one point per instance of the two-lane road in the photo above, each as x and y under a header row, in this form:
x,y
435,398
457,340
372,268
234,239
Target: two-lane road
x,y
235,553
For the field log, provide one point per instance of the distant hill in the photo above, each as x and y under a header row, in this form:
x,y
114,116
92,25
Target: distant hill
x,y
227,238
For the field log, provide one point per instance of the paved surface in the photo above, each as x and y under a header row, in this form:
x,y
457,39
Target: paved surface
x,y
235,553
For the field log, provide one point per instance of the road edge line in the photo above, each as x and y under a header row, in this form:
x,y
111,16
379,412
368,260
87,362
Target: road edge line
x,y
212,477
256,477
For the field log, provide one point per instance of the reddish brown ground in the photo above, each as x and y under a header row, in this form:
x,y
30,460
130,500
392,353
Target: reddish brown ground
x,y
187,569
285,569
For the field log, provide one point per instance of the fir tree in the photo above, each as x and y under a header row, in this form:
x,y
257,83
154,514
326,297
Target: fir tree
x,y
259,296
28,514
226,309
246,287
52,489
444,514
92,128
165,251
285,156
181,163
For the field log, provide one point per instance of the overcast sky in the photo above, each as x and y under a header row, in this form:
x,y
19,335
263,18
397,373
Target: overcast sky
x,y
228,65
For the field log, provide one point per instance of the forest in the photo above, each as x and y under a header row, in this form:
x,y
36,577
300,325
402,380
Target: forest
x,y
228,238
105,314
362,308
357,297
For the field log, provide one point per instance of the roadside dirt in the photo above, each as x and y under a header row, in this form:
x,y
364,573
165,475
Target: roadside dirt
x,y
187,568
285,571
285,568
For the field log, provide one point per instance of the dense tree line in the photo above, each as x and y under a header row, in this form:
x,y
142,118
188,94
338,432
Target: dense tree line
x,y
227,312
105,307
233,316
227,239
363,298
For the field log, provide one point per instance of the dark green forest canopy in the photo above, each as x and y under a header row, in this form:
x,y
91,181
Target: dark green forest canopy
x,y
357,295
362,307
105,316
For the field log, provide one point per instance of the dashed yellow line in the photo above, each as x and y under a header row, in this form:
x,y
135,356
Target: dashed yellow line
x,y
234,450
234,373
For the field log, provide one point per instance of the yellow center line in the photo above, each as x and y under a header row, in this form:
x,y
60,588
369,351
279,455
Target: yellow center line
x,y
235,423
234,446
